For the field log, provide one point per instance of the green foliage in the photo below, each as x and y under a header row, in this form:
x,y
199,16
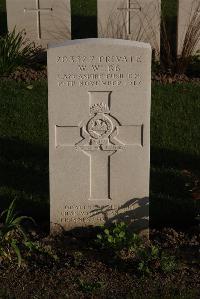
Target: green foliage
x,y
38,247
12,233
89,287
168,263
14,240
151,259
5,294
78,258
147,257
15,51
117,237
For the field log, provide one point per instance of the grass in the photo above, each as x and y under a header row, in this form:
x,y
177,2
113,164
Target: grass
x,y
24,147
175,147
175,129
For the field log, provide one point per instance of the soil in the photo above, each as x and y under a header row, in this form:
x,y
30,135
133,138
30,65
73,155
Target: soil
x,y
85,271
23,74
170,79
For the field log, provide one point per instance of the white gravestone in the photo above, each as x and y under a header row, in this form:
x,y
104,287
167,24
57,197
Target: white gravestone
x,y
44,21
130,19
188,25
99,132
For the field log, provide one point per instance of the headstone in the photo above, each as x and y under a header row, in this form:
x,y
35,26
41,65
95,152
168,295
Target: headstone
x,y
99,132
44,21
188,25
130,19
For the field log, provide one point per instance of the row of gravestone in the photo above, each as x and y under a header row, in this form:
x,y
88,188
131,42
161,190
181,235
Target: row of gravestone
x,y
50,20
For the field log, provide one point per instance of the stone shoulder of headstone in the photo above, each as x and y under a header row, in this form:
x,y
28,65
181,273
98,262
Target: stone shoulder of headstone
x,y
100,41
99,132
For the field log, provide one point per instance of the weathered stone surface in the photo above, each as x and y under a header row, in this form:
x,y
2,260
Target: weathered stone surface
x,y
188,26
130,19
99,132
43,20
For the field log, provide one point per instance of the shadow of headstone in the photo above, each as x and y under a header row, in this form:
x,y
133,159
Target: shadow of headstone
x,y
84,27
25,176
3,22
169,29
84,20
171,203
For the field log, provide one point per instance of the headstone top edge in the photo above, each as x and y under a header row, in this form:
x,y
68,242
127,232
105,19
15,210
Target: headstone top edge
x,y
101,41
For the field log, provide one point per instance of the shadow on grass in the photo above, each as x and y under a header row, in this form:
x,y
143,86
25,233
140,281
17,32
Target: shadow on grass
x,y
171,202
169,14
3,22
84,27
24,174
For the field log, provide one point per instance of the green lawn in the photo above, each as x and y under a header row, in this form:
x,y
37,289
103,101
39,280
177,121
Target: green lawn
x,y
175,142
175,147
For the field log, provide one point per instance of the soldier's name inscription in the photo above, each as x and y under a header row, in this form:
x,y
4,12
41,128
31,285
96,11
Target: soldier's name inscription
x,y
99,59
99,71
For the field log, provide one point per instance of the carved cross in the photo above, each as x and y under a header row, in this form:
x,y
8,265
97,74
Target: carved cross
x,y
38,11
101,134
129,9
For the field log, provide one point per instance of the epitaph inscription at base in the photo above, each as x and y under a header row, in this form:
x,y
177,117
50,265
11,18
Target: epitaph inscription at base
x,y
99,120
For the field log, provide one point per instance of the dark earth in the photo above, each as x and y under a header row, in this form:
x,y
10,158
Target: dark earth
x,y
85,271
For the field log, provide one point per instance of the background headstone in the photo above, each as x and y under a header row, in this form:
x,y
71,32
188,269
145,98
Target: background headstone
x,y
99,132
43,20
130,19
188,24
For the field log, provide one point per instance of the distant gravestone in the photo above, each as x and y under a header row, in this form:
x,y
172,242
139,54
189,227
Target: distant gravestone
x,y
44,21
130,19
188,25
99,132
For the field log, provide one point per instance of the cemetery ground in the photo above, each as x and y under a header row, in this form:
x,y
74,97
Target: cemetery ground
x,y
74,265
116,264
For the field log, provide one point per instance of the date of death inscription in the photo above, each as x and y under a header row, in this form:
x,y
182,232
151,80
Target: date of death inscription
x,y
101,71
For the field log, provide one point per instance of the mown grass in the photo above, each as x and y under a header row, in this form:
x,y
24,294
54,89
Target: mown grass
x,y
24,147
175,147
175,142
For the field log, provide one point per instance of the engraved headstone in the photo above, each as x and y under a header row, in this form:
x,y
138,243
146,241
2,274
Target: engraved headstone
x,y
44,21
188,26
99,132
130,19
